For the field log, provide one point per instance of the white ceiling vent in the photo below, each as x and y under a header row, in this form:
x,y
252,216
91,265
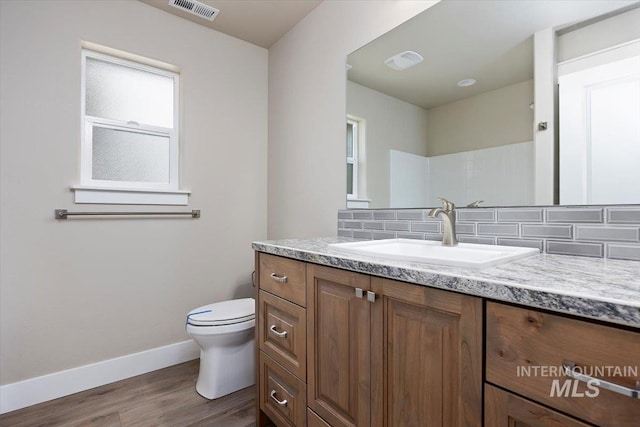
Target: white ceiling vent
x,y
404,60
196,8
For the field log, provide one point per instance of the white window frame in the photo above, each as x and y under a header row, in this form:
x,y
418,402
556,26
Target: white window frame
x,y
354,159
128,192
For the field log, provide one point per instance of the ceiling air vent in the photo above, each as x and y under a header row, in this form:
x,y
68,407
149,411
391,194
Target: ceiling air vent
x,y
404,60
196,8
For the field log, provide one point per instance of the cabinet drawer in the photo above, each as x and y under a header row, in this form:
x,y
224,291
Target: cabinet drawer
x,y
282,395
283,277
526,350
282,333
503,409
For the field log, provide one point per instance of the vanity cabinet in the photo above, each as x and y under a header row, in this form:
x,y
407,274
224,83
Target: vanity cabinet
x,y
528,350
378,352
344,349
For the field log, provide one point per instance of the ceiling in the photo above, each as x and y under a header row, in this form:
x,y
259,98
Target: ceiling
x,y
487,40
260,22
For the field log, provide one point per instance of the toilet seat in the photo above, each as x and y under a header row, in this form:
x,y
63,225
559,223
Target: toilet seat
x,y
223,313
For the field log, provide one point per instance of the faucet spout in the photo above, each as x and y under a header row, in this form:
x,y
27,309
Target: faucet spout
x,y
448,215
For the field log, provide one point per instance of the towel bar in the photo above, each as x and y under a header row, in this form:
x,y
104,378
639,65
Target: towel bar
x,y
63,213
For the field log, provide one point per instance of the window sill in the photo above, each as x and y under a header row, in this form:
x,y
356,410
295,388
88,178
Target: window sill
x,y
129,196
358,203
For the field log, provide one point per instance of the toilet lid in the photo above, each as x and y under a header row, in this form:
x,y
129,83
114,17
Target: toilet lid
x,y
223,313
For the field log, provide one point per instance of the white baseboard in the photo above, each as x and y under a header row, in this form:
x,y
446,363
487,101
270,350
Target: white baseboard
x,y
52,386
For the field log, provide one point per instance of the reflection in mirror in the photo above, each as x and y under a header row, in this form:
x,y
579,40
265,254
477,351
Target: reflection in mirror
x,y
477,119
600,127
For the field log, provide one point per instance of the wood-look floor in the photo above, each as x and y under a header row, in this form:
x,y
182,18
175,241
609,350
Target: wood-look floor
x,y
162,398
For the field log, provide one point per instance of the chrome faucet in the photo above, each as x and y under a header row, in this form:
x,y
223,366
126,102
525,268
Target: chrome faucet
x,y
448,214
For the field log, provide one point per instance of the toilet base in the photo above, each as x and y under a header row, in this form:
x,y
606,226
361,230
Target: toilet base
x,y
227,369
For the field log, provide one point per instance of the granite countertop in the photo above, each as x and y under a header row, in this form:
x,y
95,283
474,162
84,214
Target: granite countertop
x,y
602,289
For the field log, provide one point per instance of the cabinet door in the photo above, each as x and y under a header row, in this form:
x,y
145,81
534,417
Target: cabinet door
x,y
338,327
427,357
313,420
503,409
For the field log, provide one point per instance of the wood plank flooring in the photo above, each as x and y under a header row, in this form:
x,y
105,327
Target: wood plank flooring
x,y
164,398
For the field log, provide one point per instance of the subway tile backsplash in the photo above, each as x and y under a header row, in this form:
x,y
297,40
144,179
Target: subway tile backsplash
x,y
623,215
431,227
520,215
411,215
484,215
373,225
574,215
576,248
620,251
556,231
397,225
510,230
595,231
617,234
363,215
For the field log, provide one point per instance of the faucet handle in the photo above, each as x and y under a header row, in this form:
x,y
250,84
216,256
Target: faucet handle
x,y
475,204
447,205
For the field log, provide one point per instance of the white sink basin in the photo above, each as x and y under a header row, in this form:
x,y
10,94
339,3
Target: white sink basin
x,y
468,255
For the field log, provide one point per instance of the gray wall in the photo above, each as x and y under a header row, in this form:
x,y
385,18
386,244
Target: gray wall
x,y
86,290
600,35
490,119
307,111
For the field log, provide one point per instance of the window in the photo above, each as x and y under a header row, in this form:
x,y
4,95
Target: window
x,y
352,159
129,132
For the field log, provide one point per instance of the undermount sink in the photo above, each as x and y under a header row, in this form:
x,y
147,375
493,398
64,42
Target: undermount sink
x,y
469,255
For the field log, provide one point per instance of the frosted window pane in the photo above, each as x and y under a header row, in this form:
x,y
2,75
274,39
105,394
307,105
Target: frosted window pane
x,y
349,178
349,140
129,156
122,93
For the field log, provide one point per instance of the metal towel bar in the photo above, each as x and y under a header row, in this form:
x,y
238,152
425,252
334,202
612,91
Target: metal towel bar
x,y
63,213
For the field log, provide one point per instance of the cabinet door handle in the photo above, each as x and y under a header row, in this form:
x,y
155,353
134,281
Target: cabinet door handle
x,y
278,333
359,293
279,402
571,372
281,279
371,296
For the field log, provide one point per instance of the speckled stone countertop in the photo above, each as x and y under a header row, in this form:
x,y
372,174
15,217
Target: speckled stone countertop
x,y
602,289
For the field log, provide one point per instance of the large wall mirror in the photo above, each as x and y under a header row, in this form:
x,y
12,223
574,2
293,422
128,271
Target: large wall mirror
x,y
511,103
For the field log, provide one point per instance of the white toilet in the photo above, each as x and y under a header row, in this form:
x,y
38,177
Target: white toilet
x,y
225,333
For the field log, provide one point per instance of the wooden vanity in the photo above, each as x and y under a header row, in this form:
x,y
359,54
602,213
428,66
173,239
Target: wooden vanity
x,y
517,337
340,348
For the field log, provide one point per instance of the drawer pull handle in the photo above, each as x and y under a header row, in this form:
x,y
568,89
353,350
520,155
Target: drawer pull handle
x,y
571,372
279,402
278,333
281,279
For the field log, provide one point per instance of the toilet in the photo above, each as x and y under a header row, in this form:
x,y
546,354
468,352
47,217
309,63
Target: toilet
x,y
225,333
